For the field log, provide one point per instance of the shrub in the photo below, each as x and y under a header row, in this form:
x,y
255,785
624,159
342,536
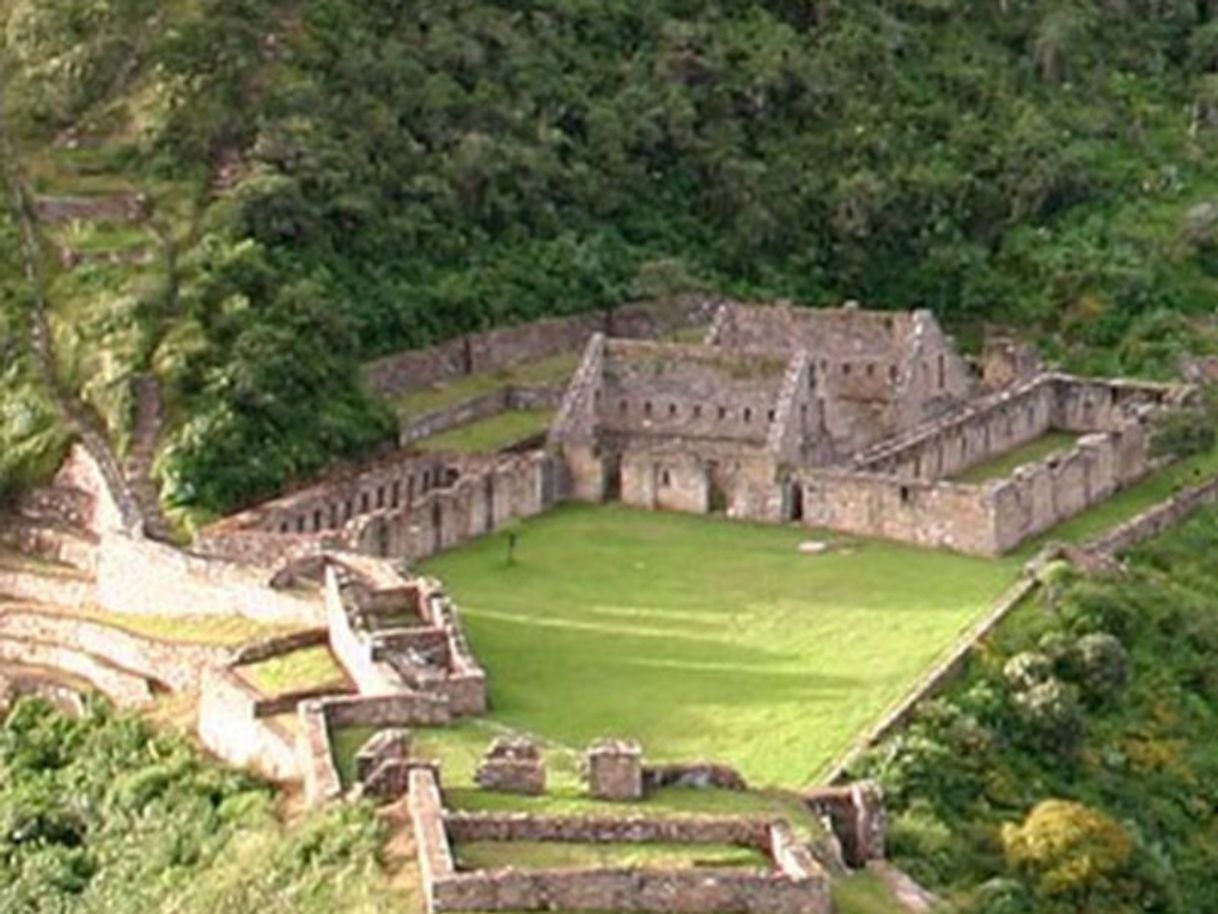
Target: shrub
x,y
1068,848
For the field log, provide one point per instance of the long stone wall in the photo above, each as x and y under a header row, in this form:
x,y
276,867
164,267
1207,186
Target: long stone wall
x,y
986,519
593,829
511,346
406,506
476,408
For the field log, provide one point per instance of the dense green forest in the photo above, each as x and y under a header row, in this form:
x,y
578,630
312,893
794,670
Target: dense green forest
x,y
102,814
1075,767
331,181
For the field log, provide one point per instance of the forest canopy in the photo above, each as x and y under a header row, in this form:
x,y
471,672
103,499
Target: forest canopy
x,y
343,180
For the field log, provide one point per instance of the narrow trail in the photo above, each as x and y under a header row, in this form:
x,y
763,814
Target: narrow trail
x,y
73,412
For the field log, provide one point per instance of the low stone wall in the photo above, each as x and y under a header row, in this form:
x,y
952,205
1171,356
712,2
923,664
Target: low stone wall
x,y
125,689
431,840
178,666
591,829
693,891
276,645
315,755
797,885
402,710
519,345
476,408
1154,520
702,775
314,751
230,727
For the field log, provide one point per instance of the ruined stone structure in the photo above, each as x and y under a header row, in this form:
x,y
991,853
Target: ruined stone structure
x,y
793,883
404,505
851,420
903,489
614,769
512,765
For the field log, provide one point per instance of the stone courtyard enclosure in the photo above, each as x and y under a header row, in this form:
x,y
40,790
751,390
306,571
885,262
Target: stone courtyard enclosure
x,y
707,638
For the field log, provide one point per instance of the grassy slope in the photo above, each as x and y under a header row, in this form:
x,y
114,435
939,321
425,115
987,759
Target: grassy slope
x,y
490,434
309,668
707,638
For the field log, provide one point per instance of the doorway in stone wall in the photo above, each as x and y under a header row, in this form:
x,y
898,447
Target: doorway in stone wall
x,y
716,495
490,502
437,528
613,477
795,501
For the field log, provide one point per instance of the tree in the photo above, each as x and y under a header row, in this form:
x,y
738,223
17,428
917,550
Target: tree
x,y
1069,849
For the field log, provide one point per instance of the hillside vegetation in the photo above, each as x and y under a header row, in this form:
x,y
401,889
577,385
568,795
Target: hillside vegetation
x,y
1075,767
102,814
331,181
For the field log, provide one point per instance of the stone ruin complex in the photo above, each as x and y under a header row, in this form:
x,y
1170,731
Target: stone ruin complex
x,y
847,419
851,420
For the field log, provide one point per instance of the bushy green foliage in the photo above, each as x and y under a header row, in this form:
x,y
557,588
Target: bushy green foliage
x,y
32,438
1074,767
429,169
101,813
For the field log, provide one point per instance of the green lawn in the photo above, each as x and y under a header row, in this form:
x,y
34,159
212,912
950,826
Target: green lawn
x,y
491,434
492,855
1005,464
543,372
706,638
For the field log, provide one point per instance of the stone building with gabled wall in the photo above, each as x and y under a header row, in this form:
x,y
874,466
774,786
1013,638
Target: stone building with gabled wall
x,y
714,427
849,419
681,427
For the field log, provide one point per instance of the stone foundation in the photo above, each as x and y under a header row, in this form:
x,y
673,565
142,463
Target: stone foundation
x,y
795,885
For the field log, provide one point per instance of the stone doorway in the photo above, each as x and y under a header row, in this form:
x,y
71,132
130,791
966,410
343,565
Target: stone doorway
x,y
795,502
613,477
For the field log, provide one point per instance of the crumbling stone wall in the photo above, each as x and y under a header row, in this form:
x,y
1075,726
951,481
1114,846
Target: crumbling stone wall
x,y
405,505
795,885
858,817
396,634
898,492
484,406
593,829
876,372
511,346
687,428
